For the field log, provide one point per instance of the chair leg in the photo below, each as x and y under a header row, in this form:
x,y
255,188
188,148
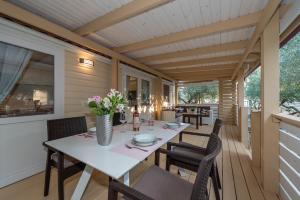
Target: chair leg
x,y
180,137
47,173
218,177
157,154
168,164
215,184
60,168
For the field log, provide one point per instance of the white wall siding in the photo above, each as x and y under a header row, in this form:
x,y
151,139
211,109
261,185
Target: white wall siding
x,y
289,162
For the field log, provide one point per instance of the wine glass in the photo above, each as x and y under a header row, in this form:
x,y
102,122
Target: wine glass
x,y
123,118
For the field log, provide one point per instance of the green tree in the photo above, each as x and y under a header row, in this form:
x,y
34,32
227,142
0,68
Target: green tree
x,y
290,74
289,78
252,89
198,93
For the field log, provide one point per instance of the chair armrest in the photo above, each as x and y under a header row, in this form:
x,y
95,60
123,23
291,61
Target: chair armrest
x,y
157,155
180,156
116,187
195,133
186,146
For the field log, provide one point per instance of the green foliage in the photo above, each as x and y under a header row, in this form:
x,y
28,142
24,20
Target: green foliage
x,y
289,78
198,93
252,89
290,71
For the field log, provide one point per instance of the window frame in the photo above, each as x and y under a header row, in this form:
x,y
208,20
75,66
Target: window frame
x,y
38,43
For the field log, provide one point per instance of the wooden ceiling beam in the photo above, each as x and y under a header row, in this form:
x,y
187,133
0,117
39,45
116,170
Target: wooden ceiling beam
x,y
202,78
33,21
125,12
232,58
197,51
227,72
265,18
197,70
227,25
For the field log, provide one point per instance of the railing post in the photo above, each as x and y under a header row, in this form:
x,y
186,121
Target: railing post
x,y
270,104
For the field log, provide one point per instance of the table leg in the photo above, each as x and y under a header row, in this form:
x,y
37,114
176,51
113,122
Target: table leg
x,y
189,120
183,119
82,183
126,179
197,122
201,120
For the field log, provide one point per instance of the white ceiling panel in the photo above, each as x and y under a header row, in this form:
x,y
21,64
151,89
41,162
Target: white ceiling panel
x,y
178,16
70,13
215,39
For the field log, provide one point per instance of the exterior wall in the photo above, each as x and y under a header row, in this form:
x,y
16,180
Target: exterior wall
x,y
227,101
82,82
21,151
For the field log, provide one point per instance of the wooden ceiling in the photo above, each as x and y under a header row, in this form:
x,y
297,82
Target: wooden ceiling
x,y
191,40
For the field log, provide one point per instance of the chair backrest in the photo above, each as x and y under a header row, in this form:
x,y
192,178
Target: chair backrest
x,y
59,128
217,126
200,185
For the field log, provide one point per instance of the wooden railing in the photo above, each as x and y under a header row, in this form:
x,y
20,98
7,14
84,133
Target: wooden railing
x,y
289,156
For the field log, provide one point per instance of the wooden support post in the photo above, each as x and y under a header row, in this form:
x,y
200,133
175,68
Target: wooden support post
x,y
157,86
114,73
270,104
240,101
176,94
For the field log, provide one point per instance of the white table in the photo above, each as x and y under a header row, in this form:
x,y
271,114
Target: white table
x,y
102,158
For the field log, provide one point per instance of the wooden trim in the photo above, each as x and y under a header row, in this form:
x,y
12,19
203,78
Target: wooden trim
x,y
290,32
231,24
198,68
21,16
289,119
202,77
266,16
233,58
114,73
206,72
125,12
197,51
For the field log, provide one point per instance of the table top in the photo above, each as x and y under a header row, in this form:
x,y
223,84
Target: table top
x,y
102,158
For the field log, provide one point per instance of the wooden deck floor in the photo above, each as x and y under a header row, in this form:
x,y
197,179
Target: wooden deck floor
x,y
237,176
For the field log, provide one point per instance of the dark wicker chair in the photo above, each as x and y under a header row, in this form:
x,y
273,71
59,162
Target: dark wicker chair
x,y
188,156
158,184
66,166
216,128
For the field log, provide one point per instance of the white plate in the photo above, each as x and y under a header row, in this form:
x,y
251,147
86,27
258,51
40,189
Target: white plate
x,y
172,125
144,138
93,129
143,144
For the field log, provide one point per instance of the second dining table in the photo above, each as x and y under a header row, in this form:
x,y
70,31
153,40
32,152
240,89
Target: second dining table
x,y
115,160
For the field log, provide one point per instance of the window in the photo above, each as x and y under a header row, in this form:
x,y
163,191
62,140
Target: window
x,y
166,93
145,93
26,82
132,85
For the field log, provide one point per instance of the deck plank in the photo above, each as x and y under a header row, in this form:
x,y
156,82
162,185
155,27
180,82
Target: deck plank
x,y
229,192
238,175
252,183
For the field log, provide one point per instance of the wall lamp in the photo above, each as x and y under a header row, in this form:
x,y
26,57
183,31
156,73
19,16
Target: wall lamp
x,y
86,62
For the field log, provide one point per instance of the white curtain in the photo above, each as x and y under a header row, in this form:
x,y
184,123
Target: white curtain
x,y
13,61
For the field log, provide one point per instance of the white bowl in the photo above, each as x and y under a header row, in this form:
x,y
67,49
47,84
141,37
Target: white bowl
x,y
93,129
144,138
172,125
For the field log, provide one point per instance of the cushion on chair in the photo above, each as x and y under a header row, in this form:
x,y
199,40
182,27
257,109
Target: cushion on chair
x,y
162,185
188,153
68,161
